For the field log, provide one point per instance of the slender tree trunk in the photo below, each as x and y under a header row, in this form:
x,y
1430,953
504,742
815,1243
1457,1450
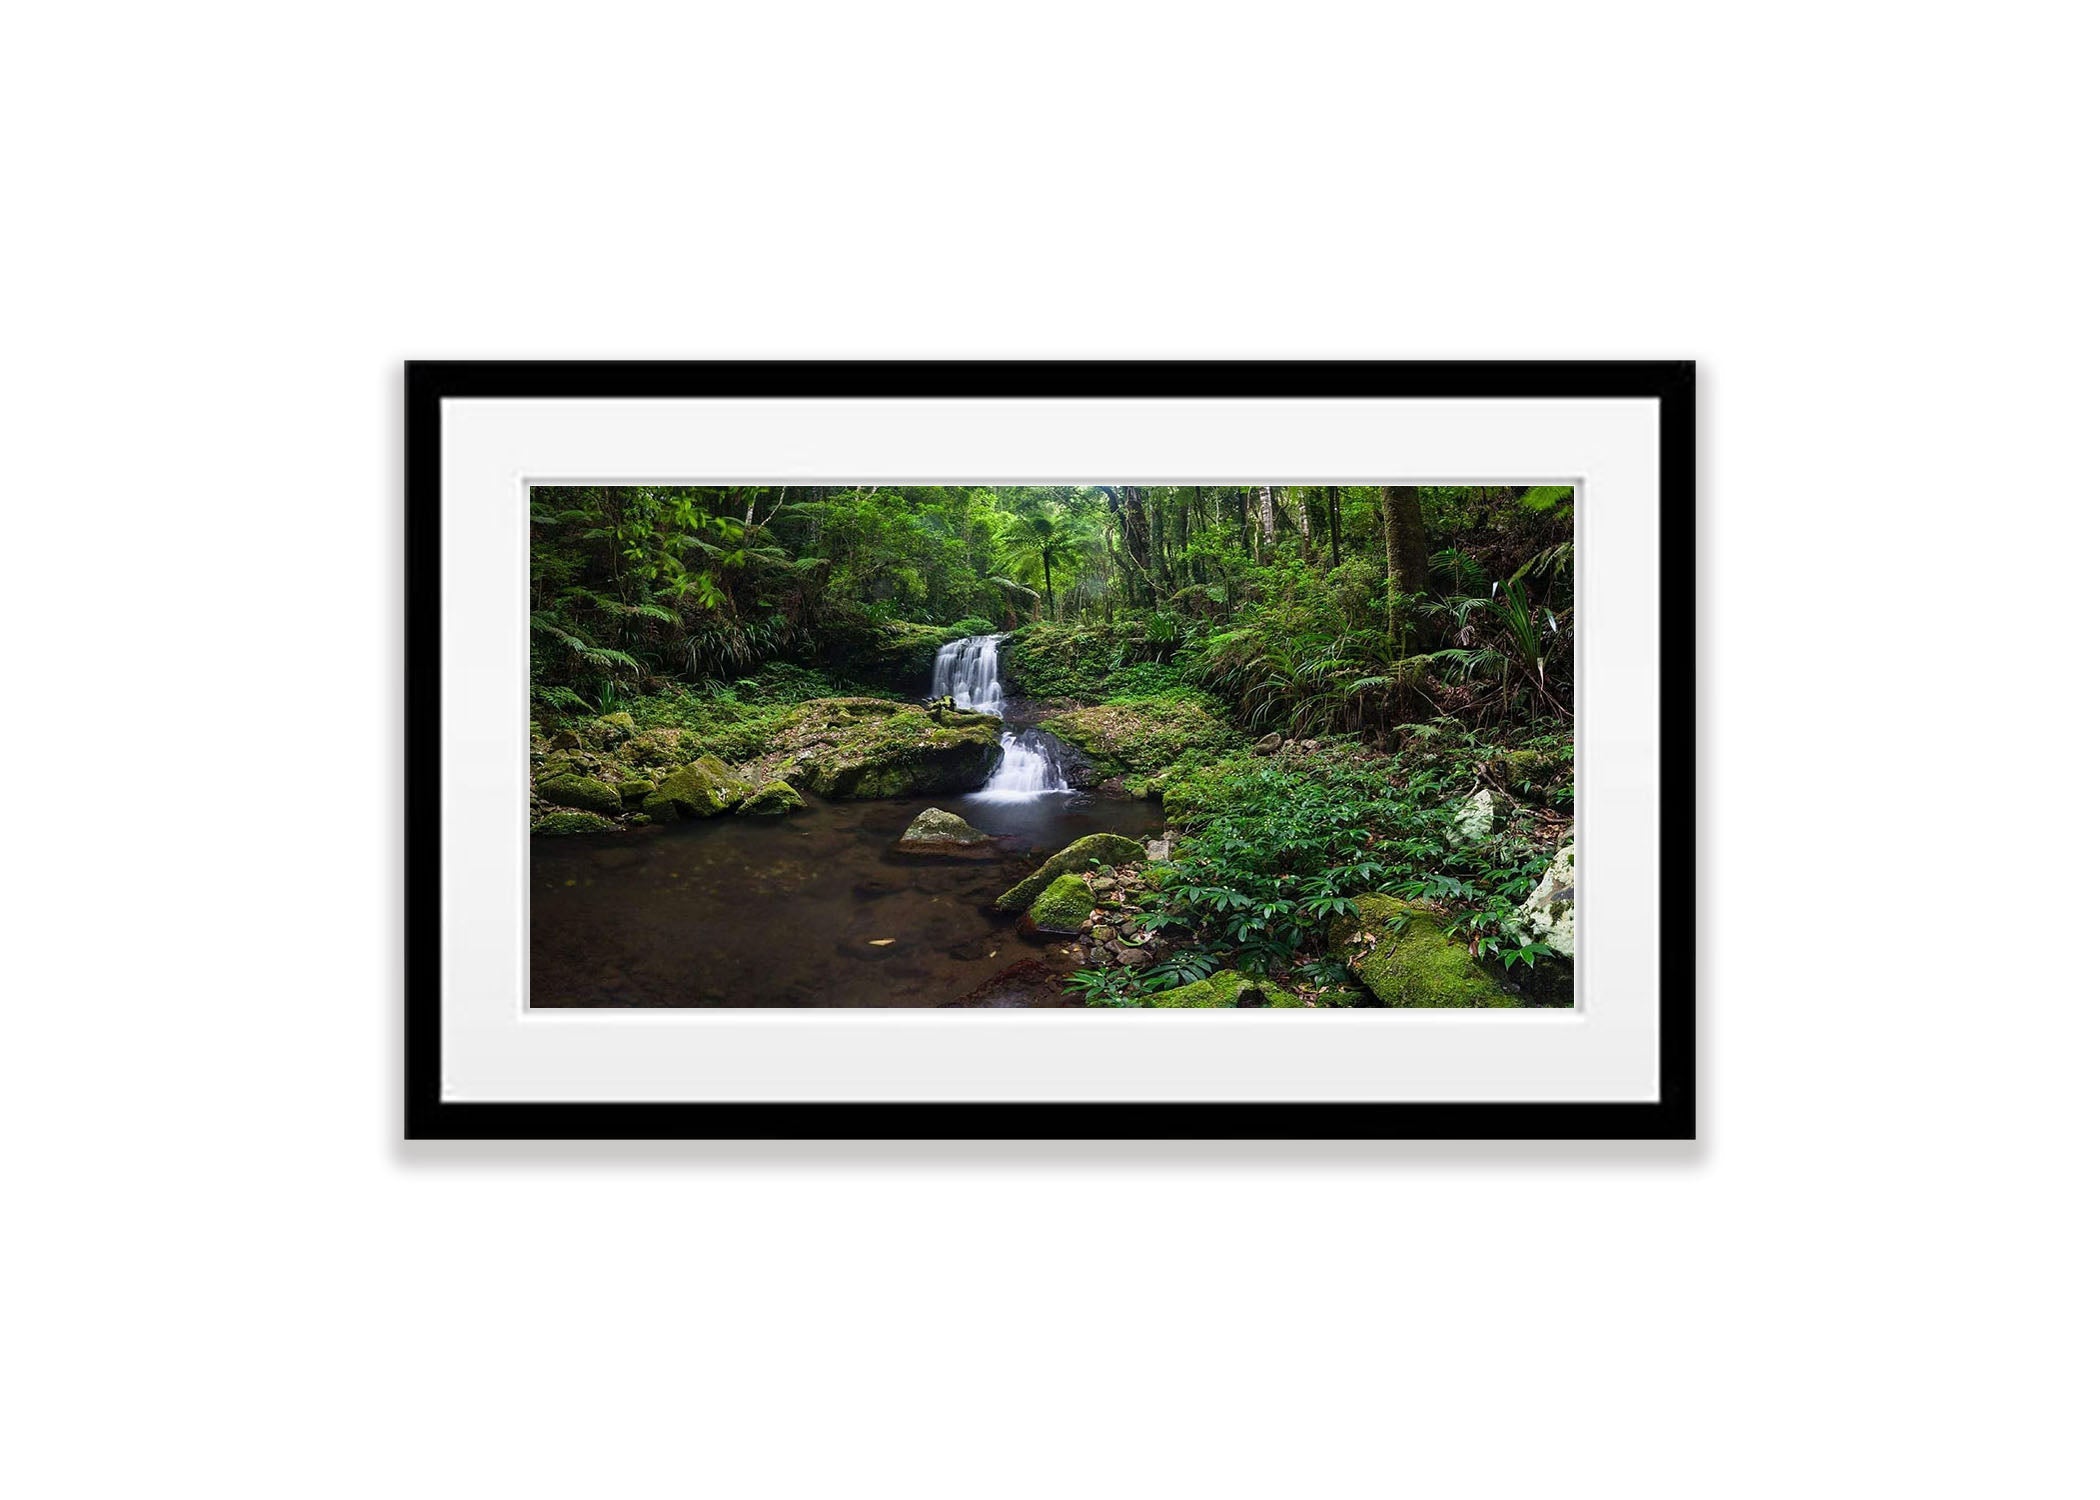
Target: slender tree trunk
x,y
1268,521
1406,550
1048,591
1334,525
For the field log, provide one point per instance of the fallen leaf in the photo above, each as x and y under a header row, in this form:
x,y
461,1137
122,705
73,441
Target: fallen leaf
x,y
880,942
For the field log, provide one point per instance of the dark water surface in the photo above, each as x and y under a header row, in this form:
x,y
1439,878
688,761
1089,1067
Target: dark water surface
x,y
754,911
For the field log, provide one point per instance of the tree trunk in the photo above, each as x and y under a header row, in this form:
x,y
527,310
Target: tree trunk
x,y
1334,525
1137,539
1267,513
1406,550
1049,592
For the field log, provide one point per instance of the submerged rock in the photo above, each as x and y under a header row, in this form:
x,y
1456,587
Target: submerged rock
x,y
1550,908
702,789
1415,966
1109,848
937,832
1062,908
586,792
771,800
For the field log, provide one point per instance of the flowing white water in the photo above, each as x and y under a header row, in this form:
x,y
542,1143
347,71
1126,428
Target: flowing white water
x,y
968,670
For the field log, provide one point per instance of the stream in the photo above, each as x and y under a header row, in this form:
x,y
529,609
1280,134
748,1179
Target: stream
x,y
813,909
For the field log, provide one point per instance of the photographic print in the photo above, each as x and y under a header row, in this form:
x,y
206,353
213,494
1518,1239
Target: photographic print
x,y
1049,749
1094,745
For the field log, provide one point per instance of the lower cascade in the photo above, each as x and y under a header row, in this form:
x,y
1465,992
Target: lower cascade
x,y
968,671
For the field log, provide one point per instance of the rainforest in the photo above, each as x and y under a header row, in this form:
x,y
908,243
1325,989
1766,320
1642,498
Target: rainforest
x,y
1174,746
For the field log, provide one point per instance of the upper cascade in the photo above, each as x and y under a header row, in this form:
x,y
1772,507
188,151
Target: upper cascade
x,y
968,671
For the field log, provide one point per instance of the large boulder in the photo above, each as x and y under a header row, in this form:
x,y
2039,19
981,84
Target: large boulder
x,y
1549,911
1062,908
939,833
771,800
701,789
586,792
1079,855
873,747
1399,952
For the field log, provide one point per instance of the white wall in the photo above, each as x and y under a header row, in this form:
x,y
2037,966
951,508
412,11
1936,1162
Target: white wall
x,y
227,225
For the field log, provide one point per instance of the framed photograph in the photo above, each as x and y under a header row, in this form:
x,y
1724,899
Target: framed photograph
x,y
1002,750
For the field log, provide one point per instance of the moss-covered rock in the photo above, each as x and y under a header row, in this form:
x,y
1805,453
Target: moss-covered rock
x,y
663,747
1415,966
1063,907
609,730
940,833
633,789
570,820
1079,855
771,800
1142,737
703,789
874,747
586,792
659,809
1531,774
1224,990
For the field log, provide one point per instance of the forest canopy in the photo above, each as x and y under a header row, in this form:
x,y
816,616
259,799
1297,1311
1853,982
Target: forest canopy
x,y
1317,608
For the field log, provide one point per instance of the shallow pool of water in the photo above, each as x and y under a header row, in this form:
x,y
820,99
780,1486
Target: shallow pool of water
x,y
807,910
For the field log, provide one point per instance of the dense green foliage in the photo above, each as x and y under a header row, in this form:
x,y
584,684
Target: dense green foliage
x,y
1421,637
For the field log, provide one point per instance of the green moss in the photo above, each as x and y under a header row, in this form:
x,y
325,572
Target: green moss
x,y
703,789
771,800
611,729
1143,736
872,747
1416,966
659,808
1191,793
1109,848
568,820
586,792
1064,905
938,831
1219,992
633,789
664,746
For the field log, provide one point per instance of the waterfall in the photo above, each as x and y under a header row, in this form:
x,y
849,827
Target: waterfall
x,y
968,671
1025,769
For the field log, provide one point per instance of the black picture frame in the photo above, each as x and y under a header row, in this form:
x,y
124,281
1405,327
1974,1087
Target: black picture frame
x,y
428,1116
